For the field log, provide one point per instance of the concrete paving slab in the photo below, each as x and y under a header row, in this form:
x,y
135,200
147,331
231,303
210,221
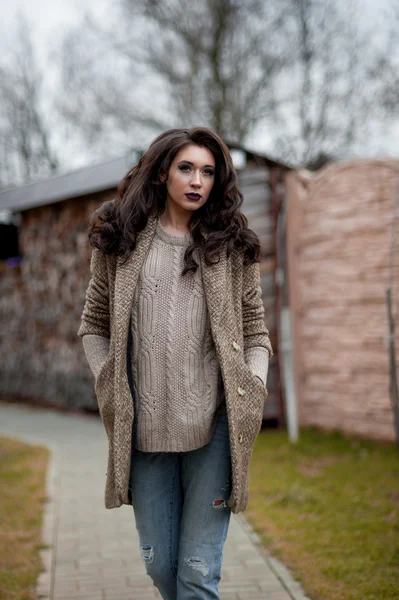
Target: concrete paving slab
x,y
93,553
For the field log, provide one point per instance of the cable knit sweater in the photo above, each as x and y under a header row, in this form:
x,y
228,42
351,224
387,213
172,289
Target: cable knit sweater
x,y
176,374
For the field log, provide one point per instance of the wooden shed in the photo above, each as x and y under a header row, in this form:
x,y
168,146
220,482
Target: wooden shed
x,y
42,290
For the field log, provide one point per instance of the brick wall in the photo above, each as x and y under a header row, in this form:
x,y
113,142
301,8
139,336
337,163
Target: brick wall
x,y
339,239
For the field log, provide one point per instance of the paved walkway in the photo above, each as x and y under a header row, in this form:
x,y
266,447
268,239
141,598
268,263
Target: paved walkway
x,y
93,553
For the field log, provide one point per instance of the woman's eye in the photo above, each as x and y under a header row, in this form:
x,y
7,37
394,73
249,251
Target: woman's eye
x,y
208,172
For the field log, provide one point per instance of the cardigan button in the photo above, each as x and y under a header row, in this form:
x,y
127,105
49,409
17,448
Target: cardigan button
x,y
236,346
240,438
240,391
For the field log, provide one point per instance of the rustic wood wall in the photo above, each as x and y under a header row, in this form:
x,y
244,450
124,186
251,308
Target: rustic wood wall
x,y
41,356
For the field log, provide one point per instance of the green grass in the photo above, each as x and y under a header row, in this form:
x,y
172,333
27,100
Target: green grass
x,y
329,508
22,494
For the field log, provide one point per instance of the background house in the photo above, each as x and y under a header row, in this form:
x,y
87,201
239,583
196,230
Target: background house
x,y
42,292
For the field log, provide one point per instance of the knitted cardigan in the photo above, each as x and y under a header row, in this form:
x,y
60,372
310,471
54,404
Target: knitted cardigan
x,y
233,296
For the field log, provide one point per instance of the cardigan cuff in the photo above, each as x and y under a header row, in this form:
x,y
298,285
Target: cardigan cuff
x,y
257,358
96,349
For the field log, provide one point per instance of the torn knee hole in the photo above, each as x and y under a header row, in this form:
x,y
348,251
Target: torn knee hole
x,y
197,564
219,503
147,553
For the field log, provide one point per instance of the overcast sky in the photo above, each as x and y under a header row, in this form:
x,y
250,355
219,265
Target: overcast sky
x,y
52,17
47,15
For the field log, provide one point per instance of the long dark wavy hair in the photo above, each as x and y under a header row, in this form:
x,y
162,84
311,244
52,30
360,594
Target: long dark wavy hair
x,y
114,226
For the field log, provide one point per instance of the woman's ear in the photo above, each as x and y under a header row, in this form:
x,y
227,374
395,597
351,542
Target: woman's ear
x,y
162,177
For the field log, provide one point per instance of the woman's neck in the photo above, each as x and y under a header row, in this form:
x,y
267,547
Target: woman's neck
x,y
176,224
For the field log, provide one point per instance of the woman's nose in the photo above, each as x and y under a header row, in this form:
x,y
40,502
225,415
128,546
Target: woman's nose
x,y
196,179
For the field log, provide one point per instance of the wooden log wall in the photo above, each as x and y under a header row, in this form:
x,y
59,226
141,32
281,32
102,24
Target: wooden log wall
x,y
41,355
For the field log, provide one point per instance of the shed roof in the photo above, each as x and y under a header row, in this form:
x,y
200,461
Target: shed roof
x,y
94,178
83,181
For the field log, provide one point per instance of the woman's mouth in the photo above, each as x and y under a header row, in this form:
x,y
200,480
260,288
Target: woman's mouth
x,y
194,196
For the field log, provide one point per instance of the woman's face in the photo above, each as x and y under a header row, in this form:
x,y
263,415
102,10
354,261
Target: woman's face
x,y
190,178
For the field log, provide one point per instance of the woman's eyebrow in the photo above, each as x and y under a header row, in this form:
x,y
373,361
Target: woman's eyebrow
x,y
190,163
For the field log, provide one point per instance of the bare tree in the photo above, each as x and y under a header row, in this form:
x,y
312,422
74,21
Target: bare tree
x,y
213,58
388,63
25,151
324,108
202,62
303,69
98,95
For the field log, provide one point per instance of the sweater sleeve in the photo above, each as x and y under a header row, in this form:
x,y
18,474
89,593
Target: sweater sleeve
x,y
257,359
95,318
256,333
96,349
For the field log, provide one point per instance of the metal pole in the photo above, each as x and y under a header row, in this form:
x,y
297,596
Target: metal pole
x,y
393,387
393,384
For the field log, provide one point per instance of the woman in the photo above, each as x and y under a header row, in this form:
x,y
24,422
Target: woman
x,y
173,329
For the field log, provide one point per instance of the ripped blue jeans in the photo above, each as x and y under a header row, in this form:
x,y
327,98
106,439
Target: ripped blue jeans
x,y
180,507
